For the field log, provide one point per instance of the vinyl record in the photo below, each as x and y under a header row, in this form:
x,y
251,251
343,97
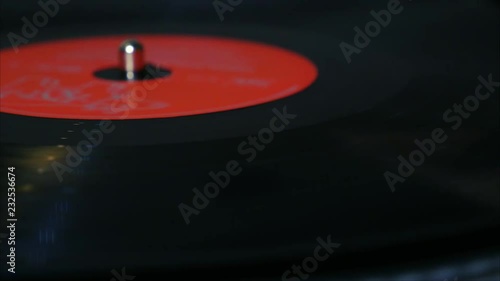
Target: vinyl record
x,y
251,146
213,72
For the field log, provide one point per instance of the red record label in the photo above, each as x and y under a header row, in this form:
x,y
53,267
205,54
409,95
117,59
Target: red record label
x,y
208,74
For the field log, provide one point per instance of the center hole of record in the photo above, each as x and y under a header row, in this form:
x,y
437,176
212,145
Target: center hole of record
x,y
150,72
